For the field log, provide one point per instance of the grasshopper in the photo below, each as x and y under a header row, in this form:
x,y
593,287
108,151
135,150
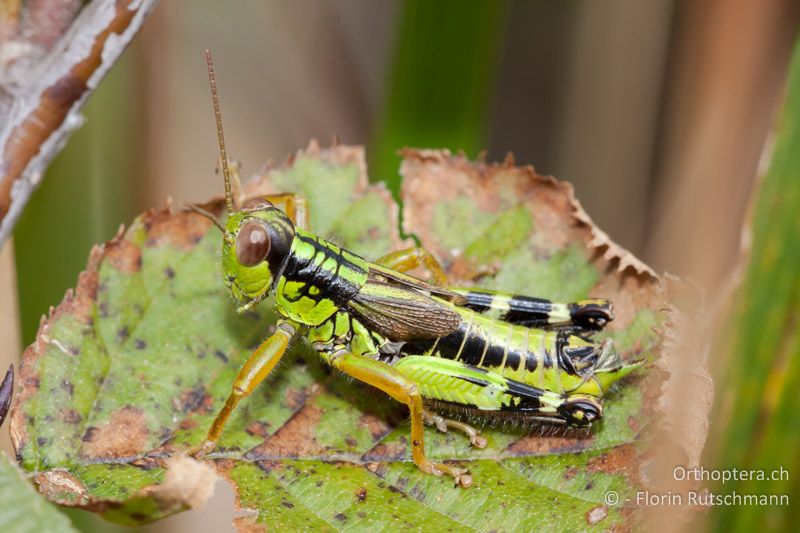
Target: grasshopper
x,y
422,343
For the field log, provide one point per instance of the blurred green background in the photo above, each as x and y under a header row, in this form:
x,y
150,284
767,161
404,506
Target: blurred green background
x,y
658,112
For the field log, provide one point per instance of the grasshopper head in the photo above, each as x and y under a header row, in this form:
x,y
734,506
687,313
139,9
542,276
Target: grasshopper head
x,y
257,236
257,241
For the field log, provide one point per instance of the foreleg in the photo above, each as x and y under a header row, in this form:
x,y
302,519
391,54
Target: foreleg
x,y
257,367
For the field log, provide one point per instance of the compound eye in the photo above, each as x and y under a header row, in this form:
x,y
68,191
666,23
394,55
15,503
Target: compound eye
x,y
252,244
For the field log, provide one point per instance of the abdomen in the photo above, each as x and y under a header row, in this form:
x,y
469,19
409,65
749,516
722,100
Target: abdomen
x,y
532,356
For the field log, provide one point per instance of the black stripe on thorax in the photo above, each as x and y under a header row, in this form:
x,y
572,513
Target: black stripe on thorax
x,y
311,272
326,248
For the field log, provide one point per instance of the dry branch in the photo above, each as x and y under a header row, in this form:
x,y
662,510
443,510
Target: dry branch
x,y
52,57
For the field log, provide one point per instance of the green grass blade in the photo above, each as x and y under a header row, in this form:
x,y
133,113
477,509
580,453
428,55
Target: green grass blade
x,y
440,81
757,412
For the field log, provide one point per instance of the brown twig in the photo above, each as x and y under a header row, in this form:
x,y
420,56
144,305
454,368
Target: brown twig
x,y
45,80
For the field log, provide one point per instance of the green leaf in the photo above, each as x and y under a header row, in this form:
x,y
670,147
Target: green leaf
x,y
21,508
131,368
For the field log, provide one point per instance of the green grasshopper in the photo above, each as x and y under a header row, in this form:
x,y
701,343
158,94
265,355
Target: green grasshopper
x,y
426,345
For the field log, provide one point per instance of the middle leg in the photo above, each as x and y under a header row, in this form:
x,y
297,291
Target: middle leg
x,y
443,424
401,388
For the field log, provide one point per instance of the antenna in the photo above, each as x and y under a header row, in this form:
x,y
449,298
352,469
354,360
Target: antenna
x,y
218,116
209,215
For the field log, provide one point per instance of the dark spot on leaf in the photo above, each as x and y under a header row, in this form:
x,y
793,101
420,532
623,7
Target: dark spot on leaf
x,y
169,272
103,309
570,473
268,466
286,504
416,492
123,333
319,483
90,433
187,424
67,387
140,344
392,488
341,517
193,398
219,354
71,416
41,441
258,429
589,485
361,494
376,426
352,442
141,517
